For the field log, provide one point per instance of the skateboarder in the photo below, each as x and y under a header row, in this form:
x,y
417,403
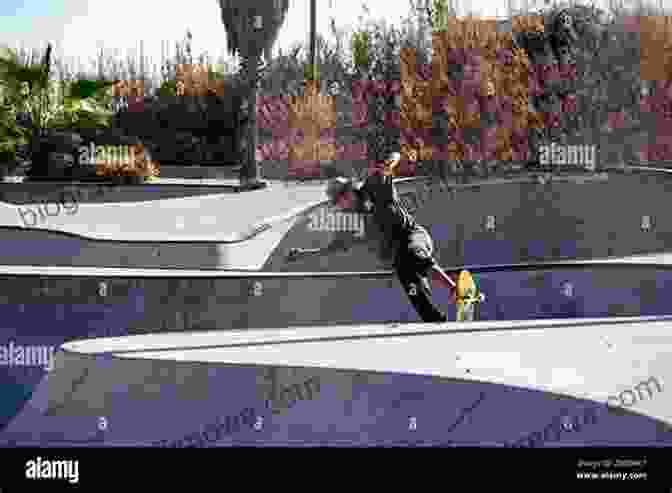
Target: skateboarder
x,y
408,244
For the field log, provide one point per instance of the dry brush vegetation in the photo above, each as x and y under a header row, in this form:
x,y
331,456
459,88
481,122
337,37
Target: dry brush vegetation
x,y
475,94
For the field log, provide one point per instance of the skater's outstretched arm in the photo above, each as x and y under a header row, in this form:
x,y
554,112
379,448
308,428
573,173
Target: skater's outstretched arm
x,y
341,243
439,275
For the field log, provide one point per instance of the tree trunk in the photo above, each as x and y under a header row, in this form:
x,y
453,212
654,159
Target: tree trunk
x,y
313,34
250,171
40,149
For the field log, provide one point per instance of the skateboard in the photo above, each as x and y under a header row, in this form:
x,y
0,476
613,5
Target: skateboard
x,y
468,297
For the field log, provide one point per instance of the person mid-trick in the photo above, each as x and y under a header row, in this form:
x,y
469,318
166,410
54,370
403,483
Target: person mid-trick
x,y
409,244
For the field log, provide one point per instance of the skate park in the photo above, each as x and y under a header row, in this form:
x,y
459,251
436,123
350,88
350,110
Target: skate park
x,y
556,302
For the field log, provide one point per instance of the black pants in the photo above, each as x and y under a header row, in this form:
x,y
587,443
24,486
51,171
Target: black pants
x,y
413,263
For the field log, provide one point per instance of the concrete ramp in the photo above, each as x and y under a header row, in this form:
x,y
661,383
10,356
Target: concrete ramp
x,y
505,383
244,250
225,217
9,216
208,233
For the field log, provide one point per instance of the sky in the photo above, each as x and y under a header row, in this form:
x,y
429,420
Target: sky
x,y
78,29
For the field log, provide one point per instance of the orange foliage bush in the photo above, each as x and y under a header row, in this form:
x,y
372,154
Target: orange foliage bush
x,y
311,113
505,80
128,88
195,80
655,35
139,164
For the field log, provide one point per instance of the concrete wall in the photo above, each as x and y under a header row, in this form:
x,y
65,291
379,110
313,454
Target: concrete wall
x,y
34,192
33,307
580,217
208,172
45,248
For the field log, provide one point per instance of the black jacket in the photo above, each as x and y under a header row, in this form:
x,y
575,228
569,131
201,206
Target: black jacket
x,y
378,196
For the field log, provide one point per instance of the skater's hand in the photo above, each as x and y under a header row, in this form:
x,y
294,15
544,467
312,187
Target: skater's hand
x,y
293,254
391,165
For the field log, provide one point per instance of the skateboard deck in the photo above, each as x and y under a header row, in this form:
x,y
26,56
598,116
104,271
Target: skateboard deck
x,y
467,297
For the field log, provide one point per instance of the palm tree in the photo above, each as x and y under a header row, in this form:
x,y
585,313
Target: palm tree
x,y
20,80
26,90
252,28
